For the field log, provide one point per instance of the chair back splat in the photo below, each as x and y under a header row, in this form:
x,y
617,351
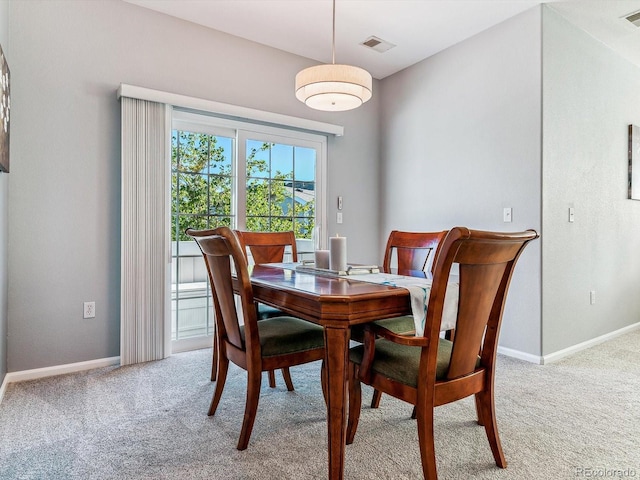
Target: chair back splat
x,y
413,250
268,247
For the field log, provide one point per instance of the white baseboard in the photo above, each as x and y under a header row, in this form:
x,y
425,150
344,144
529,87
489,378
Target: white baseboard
x,y
3,388
555,356
56,370
36,373
527,357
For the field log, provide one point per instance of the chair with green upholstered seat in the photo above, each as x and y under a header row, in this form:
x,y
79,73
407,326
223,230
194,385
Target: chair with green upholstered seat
x,y
407,253
429,371
271,344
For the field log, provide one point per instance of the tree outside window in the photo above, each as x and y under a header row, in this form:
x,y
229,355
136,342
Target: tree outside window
x,y
279,195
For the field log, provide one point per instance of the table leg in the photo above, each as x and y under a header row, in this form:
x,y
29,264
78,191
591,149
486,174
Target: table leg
x,y
337,358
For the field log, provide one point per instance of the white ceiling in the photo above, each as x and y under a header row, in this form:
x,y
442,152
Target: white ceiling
x,y
418,28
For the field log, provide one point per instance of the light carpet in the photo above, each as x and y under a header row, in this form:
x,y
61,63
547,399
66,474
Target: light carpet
x,y
577,418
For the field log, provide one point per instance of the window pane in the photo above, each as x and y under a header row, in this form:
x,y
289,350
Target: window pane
x,y
281,224
257,198
220,152
193,152
258,159
281,198
219,221
220,195
304,196
281,161
305,164
258,224
303,227
281,185
192,193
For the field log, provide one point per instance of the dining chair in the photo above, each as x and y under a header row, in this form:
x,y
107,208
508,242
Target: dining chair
x,y
414,251
255,346
429,371
410,253
269,247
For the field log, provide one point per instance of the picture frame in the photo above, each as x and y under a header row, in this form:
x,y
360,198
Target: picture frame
x,y
5,109
634,162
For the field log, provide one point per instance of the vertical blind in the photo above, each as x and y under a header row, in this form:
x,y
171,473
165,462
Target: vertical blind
x,y
144,248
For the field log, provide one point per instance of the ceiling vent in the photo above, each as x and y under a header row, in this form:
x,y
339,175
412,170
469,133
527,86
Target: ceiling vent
x,y
634,18
377,44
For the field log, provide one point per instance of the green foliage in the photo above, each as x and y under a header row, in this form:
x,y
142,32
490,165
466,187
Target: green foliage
x,y
201,189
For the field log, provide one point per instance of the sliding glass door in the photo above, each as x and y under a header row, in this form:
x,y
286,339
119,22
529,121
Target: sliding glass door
x,y
243,176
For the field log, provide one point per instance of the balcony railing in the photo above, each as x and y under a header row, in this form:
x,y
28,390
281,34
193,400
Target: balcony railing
x,y
191,302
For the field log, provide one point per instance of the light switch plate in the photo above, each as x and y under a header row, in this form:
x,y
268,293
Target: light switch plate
x,y
506,215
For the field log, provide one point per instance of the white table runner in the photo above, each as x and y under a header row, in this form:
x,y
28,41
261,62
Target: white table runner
x,y
420,289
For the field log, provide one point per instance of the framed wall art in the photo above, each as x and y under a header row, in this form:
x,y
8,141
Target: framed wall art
x,y
5,108
634,162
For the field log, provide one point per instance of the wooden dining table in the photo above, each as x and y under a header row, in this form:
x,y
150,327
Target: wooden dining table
x,y
335,303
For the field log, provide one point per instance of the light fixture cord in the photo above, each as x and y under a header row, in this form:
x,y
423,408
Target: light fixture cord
x,y
333,42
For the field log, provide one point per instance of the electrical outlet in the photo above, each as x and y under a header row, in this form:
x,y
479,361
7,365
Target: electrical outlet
x,y
89,310
339,217
592,297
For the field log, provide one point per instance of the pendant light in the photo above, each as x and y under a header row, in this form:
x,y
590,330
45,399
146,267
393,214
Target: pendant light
x,y
333,87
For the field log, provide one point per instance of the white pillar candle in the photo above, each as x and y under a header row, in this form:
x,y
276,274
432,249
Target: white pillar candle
x,y
322,259
338,253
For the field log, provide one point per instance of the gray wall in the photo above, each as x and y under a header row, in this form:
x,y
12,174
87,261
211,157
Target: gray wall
x,y
462,140
458,137
69,58
590,97
4,208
